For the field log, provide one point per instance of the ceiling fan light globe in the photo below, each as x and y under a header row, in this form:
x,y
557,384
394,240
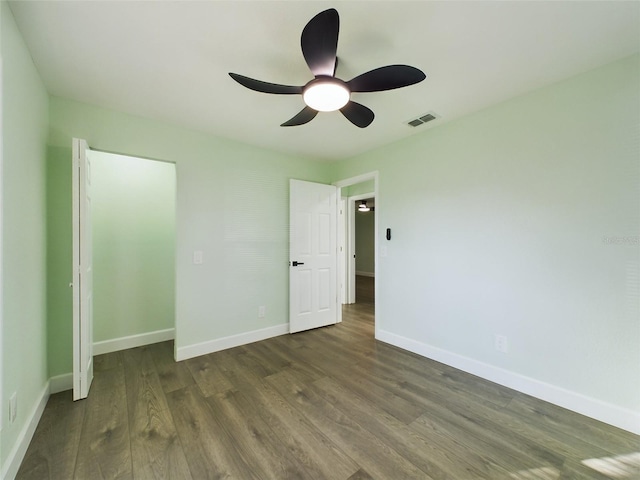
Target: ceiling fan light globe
x,y
326,95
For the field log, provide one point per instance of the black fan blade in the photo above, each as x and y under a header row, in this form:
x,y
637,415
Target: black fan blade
x,y
386,78
265,87
306,115
320,42
357,114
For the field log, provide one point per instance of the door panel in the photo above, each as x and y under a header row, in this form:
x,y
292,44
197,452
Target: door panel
x,y
304,289
313,255
326,243
324,289
303,233
82,272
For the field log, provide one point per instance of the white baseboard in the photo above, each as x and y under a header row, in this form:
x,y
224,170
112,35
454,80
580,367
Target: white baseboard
x,y
366,274
12,464
132,341
218,344
61,383
591,407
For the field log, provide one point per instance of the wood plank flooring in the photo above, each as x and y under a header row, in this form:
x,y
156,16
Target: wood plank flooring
x,y
330,403
365,289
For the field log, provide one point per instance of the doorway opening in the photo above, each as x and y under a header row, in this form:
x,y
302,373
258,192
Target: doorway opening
x,y
360,234
364,252
358,243
126,236
134,242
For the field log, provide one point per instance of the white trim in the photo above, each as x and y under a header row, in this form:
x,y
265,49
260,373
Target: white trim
x,y
132,341
365,177
591,407
195,350
342,254
365,274
1,247
12,464
61,383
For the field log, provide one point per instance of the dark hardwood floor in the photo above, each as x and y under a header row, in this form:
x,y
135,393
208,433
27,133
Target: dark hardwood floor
x,y
328,403
365,289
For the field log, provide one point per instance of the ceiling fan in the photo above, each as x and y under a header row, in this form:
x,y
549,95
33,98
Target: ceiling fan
x,y
326,92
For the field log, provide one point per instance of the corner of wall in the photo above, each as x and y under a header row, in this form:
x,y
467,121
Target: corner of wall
x,y
12,464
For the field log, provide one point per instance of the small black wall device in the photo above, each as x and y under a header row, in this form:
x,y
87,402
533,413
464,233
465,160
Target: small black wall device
x,y
388,234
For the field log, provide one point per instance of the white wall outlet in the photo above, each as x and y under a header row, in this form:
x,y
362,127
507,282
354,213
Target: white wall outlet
x,y
501,343
197,257
262,311
13,407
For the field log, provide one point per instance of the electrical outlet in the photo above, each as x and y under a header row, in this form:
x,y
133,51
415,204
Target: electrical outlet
x,y
13,407
262,311
502,344
197,257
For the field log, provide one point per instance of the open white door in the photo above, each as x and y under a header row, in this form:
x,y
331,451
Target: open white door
x,y
313,294
342,252
82,272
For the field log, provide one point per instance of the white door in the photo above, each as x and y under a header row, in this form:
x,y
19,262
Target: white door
x,y
342,250
313,294
82,272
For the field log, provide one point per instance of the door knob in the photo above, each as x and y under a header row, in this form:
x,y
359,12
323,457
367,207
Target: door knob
x,y
295,264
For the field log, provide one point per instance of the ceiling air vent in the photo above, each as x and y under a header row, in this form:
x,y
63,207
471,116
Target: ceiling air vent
x,y
421,120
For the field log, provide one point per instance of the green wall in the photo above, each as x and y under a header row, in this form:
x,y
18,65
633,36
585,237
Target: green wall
x,y
24,133
59,261
358,189
231,204
521,220
365,245
133,216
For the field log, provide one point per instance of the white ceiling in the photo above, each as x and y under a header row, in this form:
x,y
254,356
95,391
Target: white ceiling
x,y
168,60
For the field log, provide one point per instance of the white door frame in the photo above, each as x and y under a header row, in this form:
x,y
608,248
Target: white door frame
x,y
157,335
342,254
341,271
1,249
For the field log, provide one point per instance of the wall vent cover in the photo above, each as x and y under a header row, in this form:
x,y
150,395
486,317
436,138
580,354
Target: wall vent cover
x,y
422,119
